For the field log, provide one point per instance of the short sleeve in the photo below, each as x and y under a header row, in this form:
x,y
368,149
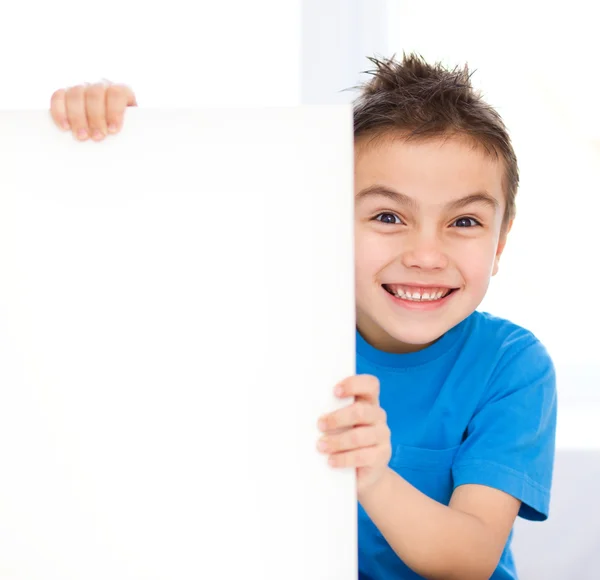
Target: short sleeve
x,y
510,439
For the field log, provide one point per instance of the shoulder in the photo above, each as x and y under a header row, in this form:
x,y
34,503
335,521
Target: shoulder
x,y
504,338
500,330
515,355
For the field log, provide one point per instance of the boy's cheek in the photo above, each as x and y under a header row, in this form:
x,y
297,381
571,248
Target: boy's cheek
x,y
477,269
371,259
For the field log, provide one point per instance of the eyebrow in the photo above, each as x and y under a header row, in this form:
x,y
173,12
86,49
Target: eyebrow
x,y
480,197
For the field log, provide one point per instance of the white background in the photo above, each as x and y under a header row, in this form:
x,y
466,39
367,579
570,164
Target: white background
x,y
179,54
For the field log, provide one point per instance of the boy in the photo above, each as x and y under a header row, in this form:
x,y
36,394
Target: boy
x,y
452,428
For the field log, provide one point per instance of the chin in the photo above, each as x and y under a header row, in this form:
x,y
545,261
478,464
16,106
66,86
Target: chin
x,y
418,339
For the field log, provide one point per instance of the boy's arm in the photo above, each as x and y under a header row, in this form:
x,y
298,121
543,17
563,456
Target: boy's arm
x,y
462,541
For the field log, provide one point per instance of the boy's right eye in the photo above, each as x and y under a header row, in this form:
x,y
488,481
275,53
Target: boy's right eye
x,y
388,218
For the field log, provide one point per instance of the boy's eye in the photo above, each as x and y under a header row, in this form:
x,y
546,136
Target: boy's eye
x,y
388,218
466,222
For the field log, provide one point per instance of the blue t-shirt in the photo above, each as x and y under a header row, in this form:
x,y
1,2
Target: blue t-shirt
x,y
478,406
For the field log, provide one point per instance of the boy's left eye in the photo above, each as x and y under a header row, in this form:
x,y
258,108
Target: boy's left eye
x,y
466,222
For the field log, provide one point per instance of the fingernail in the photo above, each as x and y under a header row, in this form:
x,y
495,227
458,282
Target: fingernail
x,y
65,125
82,134
322,445
322,424
339,390
97,135
112,128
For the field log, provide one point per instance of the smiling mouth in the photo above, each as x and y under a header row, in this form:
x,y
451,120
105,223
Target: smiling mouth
x,y
418,294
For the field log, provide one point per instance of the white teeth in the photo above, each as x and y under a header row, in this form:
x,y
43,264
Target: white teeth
x,y
416,296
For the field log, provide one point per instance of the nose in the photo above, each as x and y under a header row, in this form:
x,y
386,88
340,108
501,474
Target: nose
x,y
423,251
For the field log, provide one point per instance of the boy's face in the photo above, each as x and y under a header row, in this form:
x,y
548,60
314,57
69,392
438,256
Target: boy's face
x,y
428,224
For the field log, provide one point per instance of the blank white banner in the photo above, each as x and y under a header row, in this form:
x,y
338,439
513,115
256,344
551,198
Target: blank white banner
x,y
176,306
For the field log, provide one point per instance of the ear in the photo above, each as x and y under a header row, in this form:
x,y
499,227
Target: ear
x,y
501,246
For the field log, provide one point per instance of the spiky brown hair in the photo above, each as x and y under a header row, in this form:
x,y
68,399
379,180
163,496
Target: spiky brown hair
x,y
417,100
